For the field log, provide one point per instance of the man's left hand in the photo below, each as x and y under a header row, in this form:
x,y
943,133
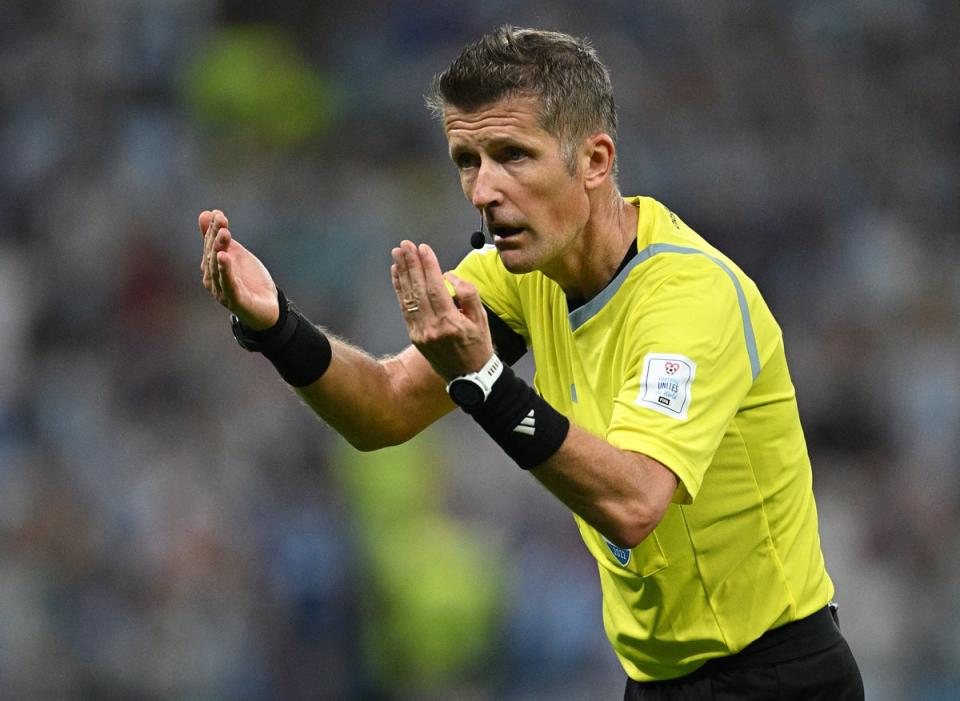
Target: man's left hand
x,y
451,332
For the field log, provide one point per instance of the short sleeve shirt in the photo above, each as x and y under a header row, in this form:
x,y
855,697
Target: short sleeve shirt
x,y
680,359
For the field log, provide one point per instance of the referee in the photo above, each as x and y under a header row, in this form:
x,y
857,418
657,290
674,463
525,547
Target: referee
x,y
662,412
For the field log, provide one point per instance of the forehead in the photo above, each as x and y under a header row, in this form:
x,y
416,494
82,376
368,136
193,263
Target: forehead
x,y
509,117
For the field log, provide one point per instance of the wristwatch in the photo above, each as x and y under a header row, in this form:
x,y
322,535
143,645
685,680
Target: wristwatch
x,y
471,391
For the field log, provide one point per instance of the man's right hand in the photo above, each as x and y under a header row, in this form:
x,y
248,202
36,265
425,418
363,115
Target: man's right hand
x,y
234,276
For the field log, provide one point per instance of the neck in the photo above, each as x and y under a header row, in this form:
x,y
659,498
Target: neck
x,y
594,256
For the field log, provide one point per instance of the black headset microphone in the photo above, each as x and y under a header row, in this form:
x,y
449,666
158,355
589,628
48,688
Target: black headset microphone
x,y
478,238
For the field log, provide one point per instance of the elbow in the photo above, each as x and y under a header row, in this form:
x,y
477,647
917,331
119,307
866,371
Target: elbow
x,y
369,441
368,444
365,445
635,515
634,525
629,536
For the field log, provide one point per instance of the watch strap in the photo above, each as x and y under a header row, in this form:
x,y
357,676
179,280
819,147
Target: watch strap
x,y
484,378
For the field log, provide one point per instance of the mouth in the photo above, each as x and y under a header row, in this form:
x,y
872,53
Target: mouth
x,y
501,233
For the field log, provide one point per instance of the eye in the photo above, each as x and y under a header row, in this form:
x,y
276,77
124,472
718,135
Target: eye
x,y
465,161
514,153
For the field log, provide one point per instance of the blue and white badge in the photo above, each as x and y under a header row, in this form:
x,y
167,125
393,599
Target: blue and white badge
x,y
665,384
622,554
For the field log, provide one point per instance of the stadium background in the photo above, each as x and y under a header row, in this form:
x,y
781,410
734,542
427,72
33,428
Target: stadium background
x,y
173,524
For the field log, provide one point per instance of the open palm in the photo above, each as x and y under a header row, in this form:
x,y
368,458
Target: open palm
x,y
234,276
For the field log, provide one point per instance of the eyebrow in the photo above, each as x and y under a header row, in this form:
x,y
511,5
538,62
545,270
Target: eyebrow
x,y
490,144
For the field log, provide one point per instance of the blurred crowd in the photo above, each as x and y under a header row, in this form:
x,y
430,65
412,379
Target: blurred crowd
x,y
175,525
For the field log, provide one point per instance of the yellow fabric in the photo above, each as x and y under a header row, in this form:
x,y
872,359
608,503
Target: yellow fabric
x,y
738,552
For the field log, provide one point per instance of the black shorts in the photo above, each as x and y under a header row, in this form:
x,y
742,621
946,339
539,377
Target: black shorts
x,y
807,660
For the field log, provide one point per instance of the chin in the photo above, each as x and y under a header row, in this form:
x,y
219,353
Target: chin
x,y
517,263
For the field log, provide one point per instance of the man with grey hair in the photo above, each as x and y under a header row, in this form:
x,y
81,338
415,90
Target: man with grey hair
x,y
662,412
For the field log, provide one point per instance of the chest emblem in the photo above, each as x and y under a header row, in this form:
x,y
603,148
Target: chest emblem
x,y
622,554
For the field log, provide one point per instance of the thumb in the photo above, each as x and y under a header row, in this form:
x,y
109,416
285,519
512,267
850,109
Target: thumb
x,y
468,297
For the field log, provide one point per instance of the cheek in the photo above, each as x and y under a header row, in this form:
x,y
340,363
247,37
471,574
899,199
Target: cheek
x,y
465,185
570,205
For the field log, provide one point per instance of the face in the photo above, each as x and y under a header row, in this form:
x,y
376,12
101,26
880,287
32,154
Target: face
x,y
512,170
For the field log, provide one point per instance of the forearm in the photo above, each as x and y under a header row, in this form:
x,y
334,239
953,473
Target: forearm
x,y
374,403
620,493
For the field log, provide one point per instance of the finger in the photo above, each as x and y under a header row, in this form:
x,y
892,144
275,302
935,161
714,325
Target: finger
x,y
205,256
208,232
409,306
397,274
405,257
212,258
222,240
417,304
226,281
413,270
470,303
221,245
435,291
210,222
395,279
204,221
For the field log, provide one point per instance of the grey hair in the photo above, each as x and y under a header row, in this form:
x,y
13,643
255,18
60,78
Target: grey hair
x,y
563,73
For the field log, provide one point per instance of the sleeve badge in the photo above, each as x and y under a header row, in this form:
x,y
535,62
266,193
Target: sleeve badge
x,y
665,384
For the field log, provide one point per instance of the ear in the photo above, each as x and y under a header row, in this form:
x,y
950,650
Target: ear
x,y
598,154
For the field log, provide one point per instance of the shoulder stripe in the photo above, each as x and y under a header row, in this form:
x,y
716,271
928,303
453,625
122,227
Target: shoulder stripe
x,y
579,316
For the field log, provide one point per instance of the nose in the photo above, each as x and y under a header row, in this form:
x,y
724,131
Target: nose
x,y
485,191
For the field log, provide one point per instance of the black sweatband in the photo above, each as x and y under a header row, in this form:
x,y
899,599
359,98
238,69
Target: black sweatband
x,y
299,351
521,422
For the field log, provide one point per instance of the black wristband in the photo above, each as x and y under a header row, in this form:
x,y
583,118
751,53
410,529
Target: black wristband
x,y
299,351
270,339
521,422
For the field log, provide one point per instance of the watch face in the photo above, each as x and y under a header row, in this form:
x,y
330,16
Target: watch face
x,y
466,393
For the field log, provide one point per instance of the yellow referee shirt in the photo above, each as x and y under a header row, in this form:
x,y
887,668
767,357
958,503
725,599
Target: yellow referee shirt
x,y
679,358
